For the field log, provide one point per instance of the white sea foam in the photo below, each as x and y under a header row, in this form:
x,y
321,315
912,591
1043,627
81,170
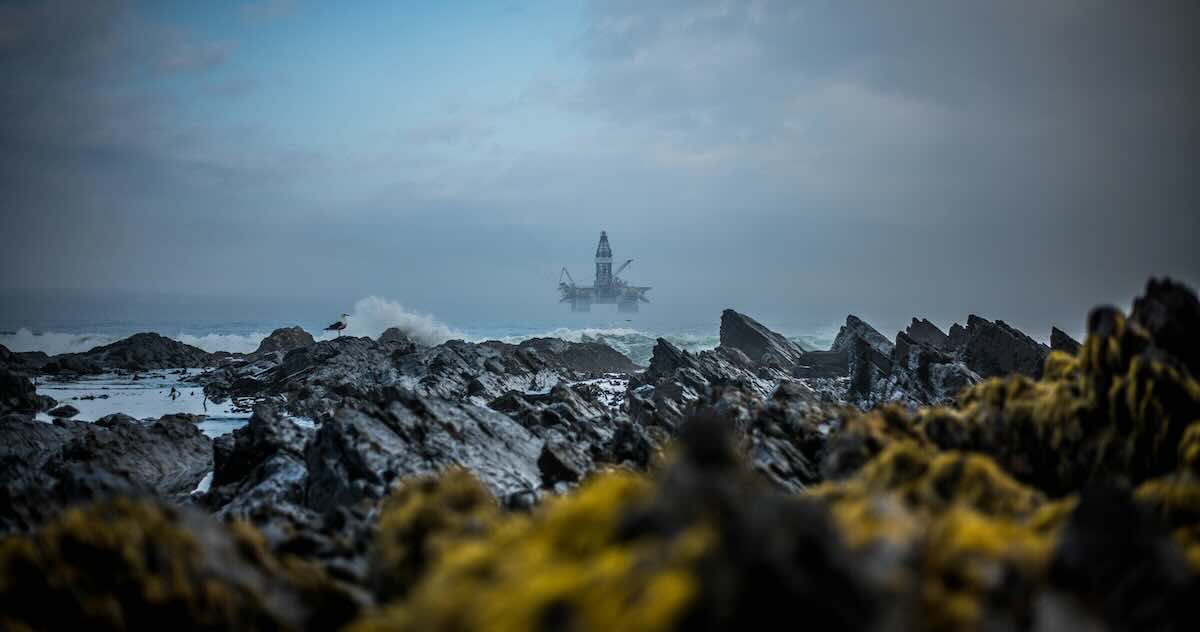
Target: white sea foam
x,y
233,343
373,315
54,343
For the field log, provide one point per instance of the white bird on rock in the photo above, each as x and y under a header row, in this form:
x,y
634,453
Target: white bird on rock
x,y
339,325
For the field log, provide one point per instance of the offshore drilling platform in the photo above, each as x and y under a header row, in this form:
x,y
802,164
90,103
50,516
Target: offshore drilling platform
x,y
608,287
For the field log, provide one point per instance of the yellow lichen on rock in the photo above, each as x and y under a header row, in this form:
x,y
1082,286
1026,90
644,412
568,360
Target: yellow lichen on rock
x,y
563,567
131,564
421,518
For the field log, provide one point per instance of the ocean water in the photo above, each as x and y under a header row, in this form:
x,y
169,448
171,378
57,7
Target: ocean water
x,y
370,317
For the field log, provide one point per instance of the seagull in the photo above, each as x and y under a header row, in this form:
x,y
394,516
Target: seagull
x,y
339,325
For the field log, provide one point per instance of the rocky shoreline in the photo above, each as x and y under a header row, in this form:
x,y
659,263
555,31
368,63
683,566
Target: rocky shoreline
x,y
974,478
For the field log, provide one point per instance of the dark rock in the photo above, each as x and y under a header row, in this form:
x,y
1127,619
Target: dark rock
x,y
823,364
366,447
867,364
928,334
1170,312
316,379
561,462
397,338
1117,557
18,394
1060,341
676,379
856,329
285,339
170,455
761,345
66,410
46,467
994,349
957,337
139,564
138,353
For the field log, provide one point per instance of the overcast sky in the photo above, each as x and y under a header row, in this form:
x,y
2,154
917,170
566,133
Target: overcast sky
x,y
1020,159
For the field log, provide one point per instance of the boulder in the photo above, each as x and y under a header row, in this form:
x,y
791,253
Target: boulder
x,y
366,447
284,339
66,410
19,395
994,349
761,345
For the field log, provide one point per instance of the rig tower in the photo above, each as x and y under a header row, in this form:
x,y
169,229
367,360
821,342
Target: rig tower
x,y
608,287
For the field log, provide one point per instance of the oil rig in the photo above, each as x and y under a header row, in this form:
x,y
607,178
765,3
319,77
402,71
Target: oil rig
x,y
609,287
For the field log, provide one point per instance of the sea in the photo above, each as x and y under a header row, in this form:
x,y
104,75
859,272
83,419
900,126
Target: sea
x,y
149,396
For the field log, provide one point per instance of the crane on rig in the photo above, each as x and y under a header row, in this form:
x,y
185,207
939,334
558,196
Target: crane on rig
x,y
608,287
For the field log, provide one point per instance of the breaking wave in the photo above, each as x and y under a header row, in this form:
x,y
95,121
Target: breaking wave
x,y
54,343
373,315
233,343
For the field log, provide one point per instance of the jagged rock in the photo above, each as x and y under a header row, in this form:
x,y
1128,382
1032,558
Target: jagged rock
x,y
994,349
562,462
761,345
929,334
400,340
584,357
284,339
139,352
868,365
923,374
823,364
46,467
313,381
260,463
676,379
170,455
66,410
856,329
366,447
19,395
1170,312
957,337
785,434
1060,341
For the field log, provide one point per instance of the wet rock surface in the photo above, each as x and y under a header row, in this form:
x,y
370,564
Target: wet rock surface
x,y
761,345
314,380
283,340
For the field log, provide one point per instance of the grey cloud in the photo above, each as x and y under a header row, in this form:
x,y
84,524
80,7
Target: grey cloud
x,y
1023,160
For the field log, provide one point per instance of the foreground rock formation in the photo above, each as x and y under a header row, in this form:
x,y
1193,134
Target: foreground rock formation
x,y
441,490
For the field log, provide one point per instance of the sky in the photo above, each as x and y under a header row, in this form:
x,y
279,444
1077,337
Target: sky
x,y
796,160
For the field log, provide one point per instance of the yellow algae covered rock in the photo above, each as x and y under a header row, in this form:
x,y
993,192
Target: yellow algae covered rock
x,y
703,544
423,517
128,564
